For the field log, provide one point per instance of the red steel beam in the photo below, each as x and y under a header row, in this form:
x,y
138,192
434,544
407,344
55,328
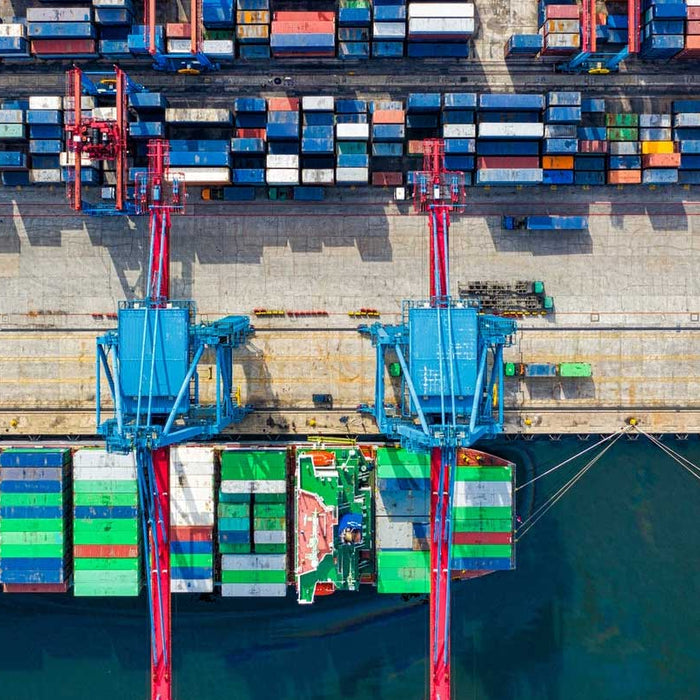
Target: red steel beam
x,y
633,25
77,78
122,130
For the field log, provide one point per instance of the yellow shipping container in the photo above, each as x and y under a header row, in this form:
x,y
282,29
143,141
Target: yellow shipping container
x,y
657,147
252,32
253,17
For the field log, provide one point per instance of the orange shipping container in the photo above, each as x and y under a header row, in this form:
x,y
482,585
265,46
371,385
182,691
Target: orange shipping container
x,y
662,160
558,162
415,148
624,177
283,104
179,30
387,179
692,42
251,134
291,16
388,116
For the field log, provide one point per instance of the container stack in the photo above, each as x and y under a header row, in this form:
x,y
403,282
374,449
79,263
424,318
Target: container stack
x,y
686,132
114,42
560,28
13,41
106,524
303,34
253,28
402,521
138,42
251,129
149,108
283,146
113,20
560,145
459,132
590,162
354,22
318,140
663,29
525,45
253,501
509,133
624,152
61,32
217,14
45,119
388,135
13,159
192,519
389,28
219,45
440,29
34,520
691,47
660,159
482,518
201,161
351,130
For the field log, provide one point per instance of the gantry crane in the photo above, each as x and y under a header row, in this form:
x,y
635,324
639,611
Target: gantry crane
x,y
590,59
451,359
151,367
192,62
94,138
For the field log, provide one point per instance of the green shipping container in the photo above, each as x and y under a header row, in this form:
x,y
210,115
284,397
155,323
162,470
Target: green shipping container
x,y
105,487
269,510
105,578
103,564
33,551
254,576
489,525
483,513
396,586
226,548
271,548
269,524
351,148
236,497
31,538
574,369
41,500
30,525
91,590
188,560
623,134
127,526
106,499
481,551
395,463
270,498
484,474
624,119
234,524
112,537
239,465
233,510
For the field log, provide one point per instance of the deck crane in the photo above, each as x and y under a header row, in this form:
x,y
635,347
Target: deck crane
x,y
451,359
151,367
590,59
191,62
98,138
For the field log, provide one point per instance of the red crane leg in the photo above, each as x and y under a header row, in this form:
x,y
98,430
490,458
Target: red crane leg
x,y
439,662
161,676
439,232
161,249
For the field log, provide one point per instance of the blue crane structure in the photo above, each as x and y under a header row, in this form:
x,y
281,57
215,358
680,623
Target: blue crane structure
x,y
150,363
451,395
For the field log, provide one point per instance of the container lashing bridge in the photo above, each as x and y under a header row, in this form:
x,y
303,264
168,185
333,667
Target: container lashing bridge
x,y
590,59
100,139
451,359
189,62
150,364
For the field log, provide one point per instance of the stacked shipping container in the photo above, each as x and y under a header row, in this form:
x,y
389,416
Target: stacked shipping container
x,y
34,517
440,29
663,28
303,34
354,22
61,32
388,28
253,28
560,28
686,133
351,131
106,527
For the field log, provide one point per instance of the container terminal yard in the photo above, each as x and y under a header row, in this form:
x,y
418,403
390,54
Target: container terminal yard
x,y
270,280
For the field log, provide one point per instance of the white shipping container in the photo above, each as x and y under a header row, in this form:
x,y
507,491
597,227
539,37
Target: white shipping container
x,y
282,176
201,496
189,480
66,158
198,116
178,45
270,536
317,103
657,134
624,148
184,455
350,176
203,176
44,176
511,130
388,30
59,14
252,486
196,585
218,47
352,132
394,533
104,473
562,41
483,494
12,131
86,102
560,131
253,590
185,515
692,3
102,458
459,131
105,113
253,562
463,27
654,121
440,9
14,30
282,161
109,177
11,116
310,176
178,469
562,26
45,101
686,119
111,3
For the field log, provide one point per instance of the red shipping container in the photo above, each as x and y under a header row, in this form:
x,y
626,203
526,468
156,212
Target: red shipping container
x,y
387,179
303,27
191,533
388,116
693,13
178,30
624,177
482,538
562,12
105,551
35,587
283,104
662,160
593,146
415,148
64,47
251,134
293,16
485,162
693,28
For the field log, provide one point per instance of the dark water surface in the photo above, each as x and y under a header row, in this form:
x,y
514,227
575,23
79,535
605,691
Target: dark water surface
x,y
603,604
